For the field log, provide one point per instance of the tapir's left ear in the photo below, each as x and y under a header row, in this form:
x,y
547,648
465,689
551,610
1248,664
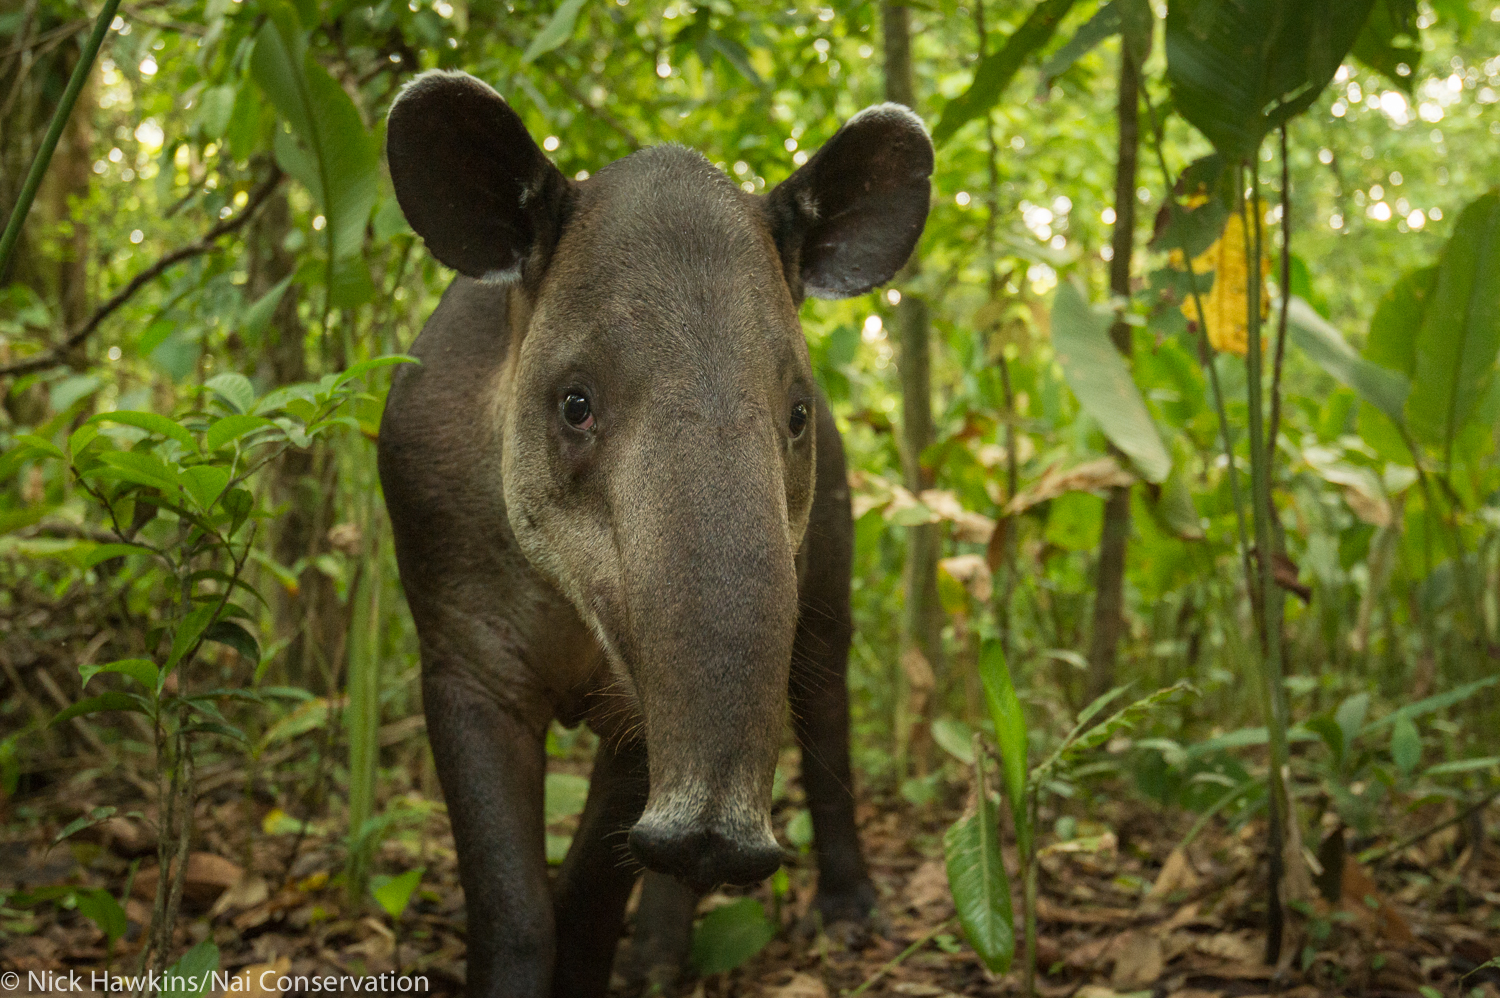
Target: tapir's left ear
x,y
471,180
848,219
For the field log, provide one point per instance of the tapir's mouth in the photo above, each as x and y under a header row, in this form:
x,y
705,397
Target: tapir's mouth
x,y
704,855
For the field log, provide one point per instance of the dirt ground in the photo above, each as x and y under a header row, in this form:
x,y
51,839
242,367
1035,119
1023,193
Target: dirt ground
x,y
1122,911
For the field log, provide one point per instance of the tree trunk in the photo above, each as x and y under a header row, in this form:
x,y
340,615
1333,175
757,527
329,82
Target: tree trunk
x,y
922,622
1109,592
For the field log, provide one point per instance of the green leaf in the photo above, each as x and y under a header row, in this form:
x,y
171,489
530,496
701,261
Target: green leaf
x,y
1133,17
998,68
1397,321
1099,378
1436,702
234,388
1382,387
233,635
565,795
134,466
103,702
558,30
1350,716
332,156
231,428
364,367
1010,732
1380,47
1239,68
729,935
142,670
190,630
197,966
394,893
1460,333
100,907
94,817
981,892
152,423
205,483
954,737
1462,766
257,317
1331,732
1406,744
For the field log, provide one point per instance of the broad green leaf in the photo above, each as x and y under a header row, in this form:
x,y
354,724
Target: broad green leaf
x,y
1326,728
257,317
1133,18
104,552
1397,322
234,388
1010,732
190,630
338,162
364,367
197,967
999,67
231,428
954,737
134,466
565,795
1099,378
394,893
1239,68
94,817
100,907
558,30
103,702
152,423
1406,744
1462,766
799,830
1382,387
233,635
1350,716
981,893
729,935
1380,44
142,670
1460,333
205,483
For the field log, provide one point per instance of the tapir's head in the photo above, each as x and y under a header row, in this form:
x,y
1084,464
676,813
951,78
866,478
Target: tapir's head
x,y
658,413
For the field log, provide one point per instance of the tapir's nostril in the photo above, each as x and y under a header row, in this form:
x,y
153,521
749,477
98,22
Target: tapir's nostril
x,y
704,857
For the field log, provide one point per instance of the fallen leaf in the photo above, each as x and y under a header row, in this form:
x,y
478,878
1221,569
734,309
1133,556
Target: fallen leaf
x,y
972,572
1091,476
1363,900
1138,960
247,892
207,877
800,986
1236,947
1177,874
928,885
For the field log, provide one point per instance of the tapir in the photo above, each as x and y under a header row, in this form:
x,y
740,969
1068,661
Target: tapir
x,y
619,498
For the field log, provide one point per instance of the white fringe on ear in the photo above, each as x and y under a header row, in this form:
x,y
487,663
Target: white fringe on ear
x,y
890,110
432,76
500,278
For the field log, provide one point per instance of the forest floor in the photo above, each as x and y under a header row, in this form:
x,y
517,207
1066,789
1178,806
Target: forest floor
x,y
1122,910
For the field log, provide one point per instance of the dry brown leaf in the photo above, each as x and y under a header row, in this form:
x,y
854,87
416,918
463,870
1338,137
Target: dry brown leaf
x,y
928,885
206,878
800,986
1138,959
1177,874
1091,476
247,892
1360,893
972,572
969,526
1236,947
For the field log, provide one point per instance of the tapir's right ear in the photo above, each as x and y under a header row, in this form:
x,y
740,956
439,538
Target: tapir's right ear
x,y
470,179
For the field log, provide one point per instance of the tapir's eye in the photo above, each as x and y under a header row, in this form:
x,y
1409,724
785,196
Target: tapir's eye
x,y
578,411
798,422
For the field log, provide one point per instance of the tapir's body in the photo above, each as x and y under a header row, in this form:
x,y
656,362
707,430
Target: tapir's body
x,y
618,498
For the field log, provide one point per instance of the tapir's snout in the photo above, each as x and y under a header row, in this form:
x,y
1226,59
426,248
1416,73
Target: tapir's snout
x,y
704,855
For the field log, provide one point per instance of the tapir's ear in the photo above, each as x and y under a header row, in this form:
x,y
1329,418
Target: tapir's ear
x,y
469,178
848,219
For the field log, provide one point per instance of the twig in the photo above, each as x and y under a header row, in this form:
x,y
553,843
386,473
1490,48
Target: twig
x,y
896,960
1286,301
57,354
1376,855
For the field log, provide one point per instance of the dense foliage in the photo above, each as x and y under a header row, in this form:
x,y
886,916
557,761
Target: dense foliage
x,y
216,264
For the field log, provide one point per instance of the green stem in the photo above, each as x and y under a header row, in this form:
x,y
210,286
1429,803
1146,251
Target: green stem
x,y
54,131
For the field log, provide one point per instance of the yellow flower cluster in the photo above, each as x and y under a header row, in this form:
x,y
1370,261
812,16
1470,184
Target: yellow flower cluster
x,y
1226,305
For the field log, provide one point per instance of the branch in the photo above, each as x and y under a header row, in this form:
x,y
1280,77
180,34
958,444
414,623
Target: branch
x,y
57,354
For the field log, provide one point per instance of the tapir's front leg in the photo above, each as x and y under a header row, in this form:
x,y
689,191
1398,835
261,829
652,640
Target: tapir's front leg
x,y
493,767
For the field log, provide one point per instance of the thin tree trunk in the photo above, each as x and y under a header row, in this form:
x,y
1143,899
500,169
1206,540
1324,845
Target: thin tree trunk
x,y
1109,592
921,625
